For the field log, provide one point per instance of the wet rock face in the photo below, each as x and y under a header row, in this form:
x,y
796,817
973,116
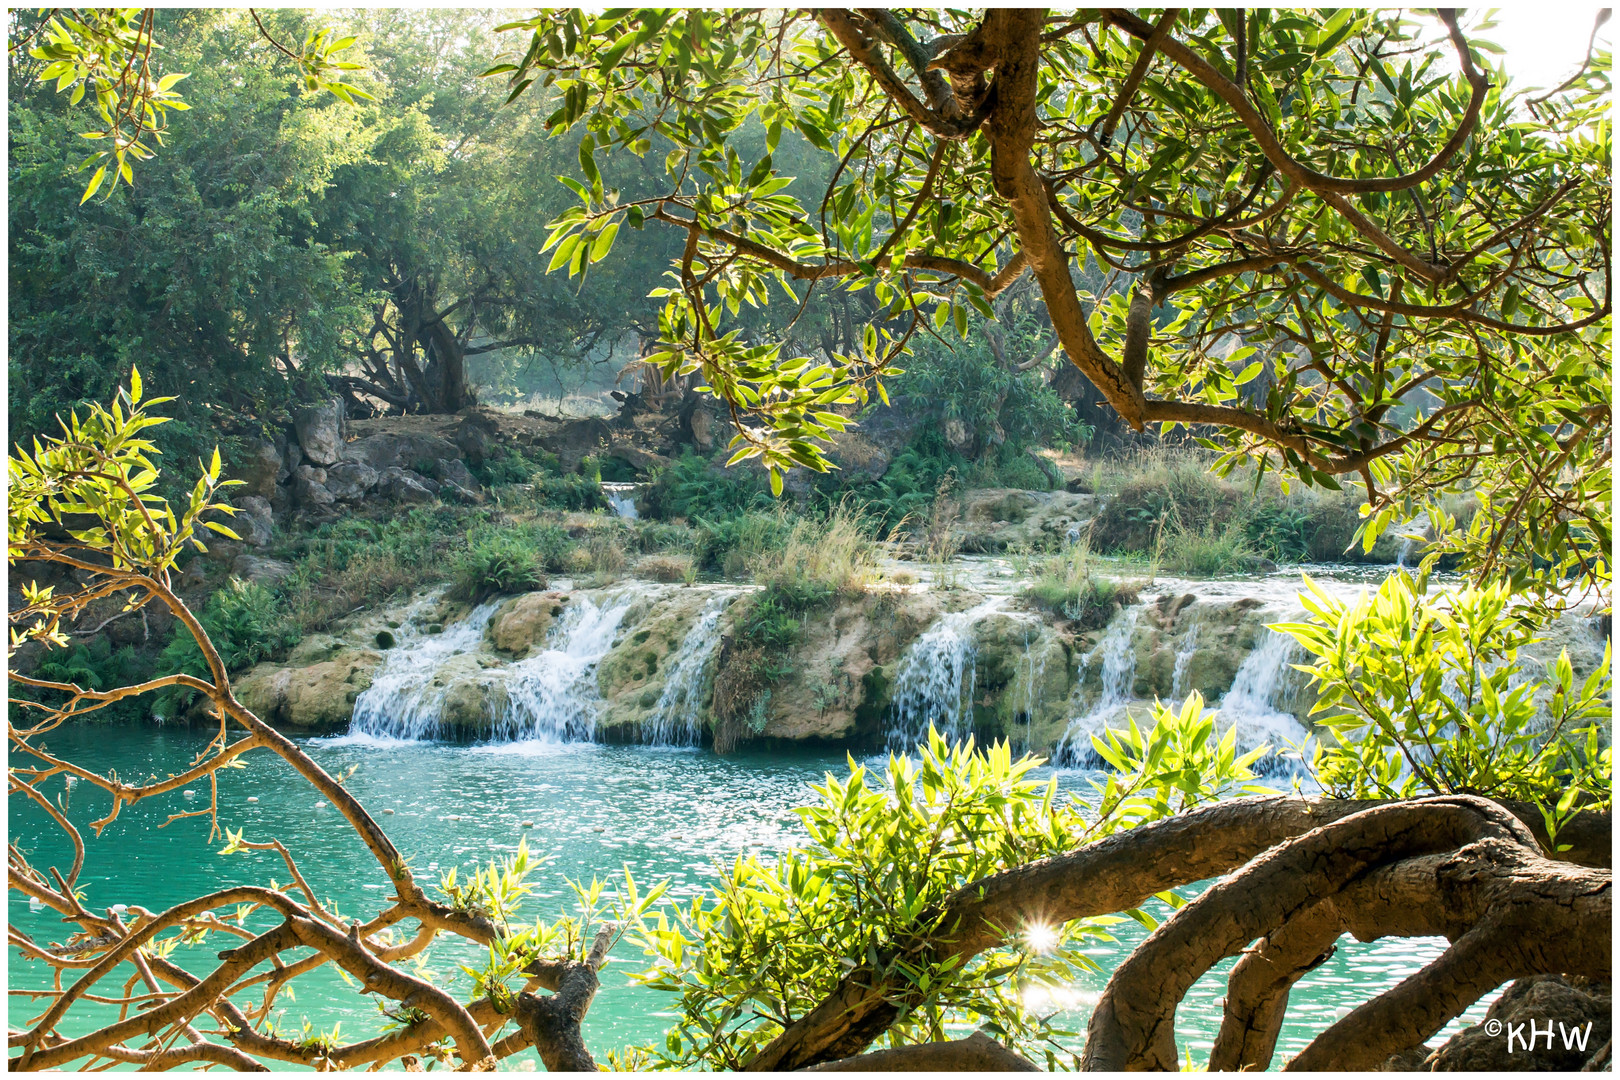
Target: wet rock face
x,y
843,663
521,624
317,697
633,676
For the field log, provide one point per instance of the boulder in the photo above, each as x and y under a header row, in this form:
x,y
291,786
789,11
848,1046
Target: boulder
x,y
703,430
387,451
405,486
291,458
476,437
958,434
859,457
348,481
454,492
522,623
576,440
262,468
320,430
637,458
285,449
254,522
315,698
260,570
309,487
454,471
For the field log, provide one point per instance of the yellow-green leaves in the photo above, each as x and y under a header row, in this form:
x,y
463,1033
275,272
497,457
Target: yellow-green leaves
x,y
1428,694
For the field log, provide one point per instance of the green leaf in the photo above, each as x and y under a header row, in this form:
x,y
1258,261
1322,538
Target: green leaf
x,y
95,182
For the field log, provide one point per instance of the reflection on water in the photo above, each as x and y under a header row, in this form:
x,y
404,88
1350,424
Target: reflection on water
x,y
595,809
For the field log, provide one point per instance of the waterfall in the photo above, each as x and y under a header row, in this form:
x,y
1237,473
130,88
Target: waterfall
x,y
1184,654
677,718
1255,703
622,497
934,680
1117,654
1031,674
551,696
402,701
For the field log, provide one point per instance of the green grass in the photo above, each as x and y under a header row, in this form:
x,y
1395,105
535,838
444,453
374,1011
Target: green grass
x,y
1067,585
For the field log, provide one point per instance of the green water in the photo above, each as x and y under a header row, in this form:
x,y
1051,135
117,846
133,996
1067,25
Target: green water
x,y
664,813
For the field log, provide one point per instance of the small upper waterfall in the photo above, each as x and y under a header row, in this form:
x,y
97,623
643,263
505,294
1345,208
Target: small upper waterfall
x,y
1116,654
551,696
934,681
677,718
403,701
622,497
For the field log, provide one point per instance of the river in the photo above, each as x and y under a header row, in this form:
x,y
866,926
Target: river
x,y
596,809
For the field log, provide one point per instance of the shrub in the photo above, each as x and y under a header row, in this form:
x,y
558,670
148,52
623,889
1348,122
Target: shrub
x,y
819,560
605,553
95,665
510,468
667,567
731,544
1065,585
689,486
660,536
501,563
244,623
573,492
1208,551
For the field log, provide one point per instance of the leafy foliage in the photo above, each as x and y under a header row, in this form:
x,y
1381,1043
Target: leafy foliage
x,y
1347,257
1425,694
501,563
772,938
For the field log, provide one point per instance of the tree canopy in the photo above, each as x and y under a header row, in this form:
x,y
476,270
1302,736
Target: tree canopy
x,y
1337,242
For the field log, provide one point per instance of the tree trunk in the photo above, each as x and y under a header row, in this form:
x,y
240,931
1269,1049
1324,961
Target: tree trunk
x,y
450,363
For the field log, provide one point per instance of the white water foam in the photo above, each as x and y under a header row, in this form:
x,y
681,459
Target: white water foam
x,y
402,703
677,718
1256,703
934,681
1032,675
1184,654
1117,655
551,696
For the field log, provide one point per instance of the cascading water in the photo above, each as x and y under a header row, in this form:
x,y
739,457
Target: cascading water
x,y
1117,655
1031,676
551,696
1184,654
934,681
402,701
622,497
677,718
1255,702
